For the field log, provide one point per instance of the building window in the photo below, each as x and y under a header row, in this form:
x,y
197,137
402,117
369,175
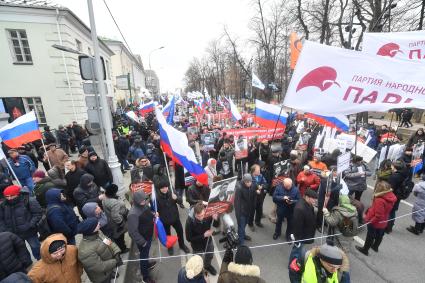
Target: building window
x,y
108,74
34,103
78,45
89,51
20,48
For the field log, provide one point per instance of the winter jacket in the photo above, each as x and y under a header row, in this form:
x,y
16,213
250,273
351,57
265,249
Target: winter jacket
x,y
25,167
335,217
419,204
140,221
89,211
318,165
239,273
58,158
123,147
79,132
196,194
260,181
294,169
416,138
355,180
160,175
48,270
60,216
17,277
101,172
85,193
40,189
195,229
304,221
212,173
14,256
307,180
293,194
136,152
244,200
72,181
167,207
116,212
380,209
20,216
396,181
5,181
181,278
141,173
97,258
49,137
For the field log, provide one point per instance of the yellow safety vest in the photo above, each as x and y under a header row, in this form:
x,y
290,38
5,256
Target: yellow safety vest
x,y
309,275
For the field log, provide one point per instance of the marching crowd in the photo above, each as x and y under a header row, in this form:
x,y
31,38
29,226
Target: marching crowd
x,y
72,196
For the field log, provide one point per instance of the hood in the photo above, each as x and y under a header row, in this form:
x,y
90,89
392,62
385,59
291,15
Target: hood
x,y
53,196
244,270
138,197
54,173
389,197
382,193
44,250
345,202
85,180
89,209
345,212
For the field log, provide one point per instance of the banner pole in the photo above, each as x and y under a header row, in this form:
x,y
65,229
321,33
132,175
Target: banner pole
x,y
387,149
45,151
355,139
275,126
168,173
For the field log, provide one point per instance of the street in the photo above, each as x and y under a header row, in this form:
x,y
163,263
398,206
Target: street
x,y
398,259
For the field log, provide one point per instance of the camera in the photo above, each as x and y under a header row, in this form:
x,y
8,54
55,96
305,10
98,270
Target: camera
x,y
231,237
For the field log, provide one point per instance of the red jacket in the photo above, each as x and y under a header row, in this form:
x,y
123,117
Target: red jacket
x,y
307,180
382,205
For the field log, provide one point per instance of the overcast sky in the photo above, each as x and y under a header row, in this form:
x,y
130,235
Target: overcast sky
x,y
183,27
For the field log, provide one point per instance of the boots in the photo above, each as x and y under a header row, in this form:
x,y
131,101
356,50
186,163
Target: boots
x,y
417,229
376,243
367,244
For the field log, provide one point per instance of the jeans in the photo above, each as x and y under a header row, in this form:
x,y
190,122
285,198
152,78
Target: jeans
x,y
35,246
392,214
242,222
280,216
144,264
179,230
29,183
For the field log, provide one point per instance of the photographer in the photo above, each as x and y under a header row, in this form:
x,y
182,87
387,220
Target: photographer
x,y
241,270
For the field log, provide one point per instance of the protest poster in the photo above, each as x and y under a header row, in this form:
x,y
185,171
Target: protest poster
x,y
364,151
221,197
207,141
241,148
146,186
349,138
280,168
329,145
343,162
260,133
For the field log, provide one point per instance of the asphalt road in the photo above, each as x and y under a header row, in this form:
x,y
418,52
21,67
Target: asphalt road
x,y
400,257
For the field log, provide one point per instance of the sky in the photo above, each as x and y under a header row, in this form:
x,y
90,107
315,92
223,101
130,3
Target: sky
x,y
183,27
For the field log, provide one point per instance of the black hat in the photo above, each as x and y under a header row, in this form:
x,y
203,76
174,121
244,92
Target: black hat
x,y
162,183
311,193
92,153
111,190
243,255
82,149
56,245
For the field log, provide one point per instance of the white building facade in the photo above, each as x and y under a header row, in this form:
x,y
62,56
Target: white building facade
x,y
128,74
36,76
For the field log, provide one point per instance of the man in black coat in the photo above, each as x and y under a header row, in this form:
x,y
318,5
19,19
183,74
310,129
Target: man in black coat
x,y
86,192
166,202
199,233
63,138
198,192
244,205
20,215
14,256
72,177
304,220
100,170
122,147
48,136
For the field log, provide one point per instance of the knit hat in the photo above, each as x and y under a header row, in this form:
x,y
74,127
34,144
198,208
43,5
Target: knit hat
x,y
12,190
56,245
88,226
247,178
243,255
39,174
311,193
330,254
194,266
111,190
93,153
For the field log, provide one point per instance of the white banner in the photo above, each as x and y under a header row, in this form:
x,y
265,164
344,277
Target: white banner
x,y
330,80
398,45
257,83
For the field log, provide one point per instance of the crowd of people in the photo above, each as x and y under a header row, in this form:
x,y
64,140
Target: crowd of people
x,y
77,195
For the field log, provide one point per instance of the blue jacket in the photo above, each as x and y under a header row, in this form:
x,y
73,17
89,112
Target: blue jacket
x,y
60,216
281,192
25,167
136,153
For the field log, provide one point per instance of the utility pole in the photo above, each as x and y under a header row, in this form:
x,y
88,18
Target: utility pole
x,y
129,87
112,157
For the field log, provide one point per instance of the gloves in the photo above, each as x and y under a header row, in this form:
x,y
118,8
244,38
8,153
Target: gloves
x,y
228,256
118,259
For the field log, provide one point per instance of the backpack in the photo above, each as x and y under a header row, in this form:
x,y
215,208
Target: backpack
x,y
406,188
349,226
43,226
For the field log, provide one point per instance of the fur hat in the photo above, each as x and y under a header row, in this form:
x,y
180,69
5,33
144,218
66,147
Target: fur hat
x,y
194,266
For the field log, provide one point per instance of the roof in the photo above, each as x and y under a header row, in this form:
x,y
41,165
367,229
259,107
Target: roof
x,y
49,6
134,57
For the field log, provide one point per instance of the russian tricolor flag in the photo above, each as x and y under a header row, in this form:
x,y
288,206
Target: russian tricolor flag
x,y
175,144
339,122
234,110
267,115
21,131
147,108
168,110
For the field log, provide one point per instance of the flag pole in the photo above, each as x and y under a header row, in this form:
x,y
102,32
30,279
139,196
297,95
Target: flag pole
x,y
275,126
168,173
45,151
156,211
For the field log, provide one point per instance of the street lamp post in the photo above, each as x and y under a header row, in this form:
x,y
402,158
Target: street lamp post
x,y
113,163
150,53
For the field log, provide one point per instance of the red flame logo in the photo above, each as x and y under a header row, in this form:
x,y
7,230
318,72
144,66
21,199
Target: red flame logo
x,y
323,78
